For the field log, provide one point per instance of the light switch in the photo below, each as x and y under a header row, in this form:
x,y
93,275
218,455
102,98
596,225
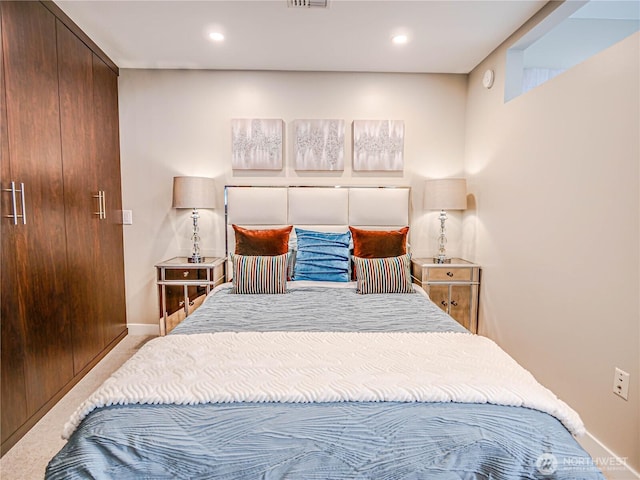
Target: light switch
x,y
127,217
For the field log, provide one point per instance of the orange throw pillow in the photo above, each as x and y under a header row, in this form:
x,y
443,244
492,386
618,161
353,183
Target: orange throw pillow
x,y
379,243
262,242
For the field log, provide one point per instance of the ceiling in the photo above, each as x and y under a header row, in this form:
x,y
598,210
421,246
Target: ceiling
x,y
447,36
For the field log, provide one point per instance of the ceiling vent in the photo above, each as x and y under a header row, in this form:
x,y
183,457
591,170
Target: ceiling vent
x,y
307,3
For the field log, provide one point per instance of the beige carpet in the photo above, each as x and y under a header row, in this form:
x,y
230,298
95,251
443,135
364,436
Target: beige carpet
x,y
28,459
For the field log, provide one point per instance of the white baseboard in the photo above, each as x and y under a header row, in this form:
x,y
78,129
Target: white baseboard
x,y
143,329
612,466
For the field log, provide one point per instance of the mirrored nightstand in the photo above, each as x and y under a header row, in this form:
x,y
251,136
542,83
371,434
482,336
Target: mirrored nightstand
x,y
182,286
454,287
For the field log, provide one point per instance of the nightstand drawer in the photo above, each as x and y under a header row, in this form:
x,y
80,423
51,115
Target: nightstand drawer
x,y
179,274
440,274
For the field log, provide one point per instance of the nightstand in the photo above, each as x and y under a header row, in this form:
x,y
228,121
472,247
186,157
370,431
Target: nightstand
x,y
454,287
182,286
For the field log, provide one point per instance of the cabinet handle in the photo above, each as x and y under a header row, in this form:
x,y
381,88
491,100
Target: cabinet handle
x,y
99,197
449,274
104,205
443,303
24,208
185,274
14,204
454,303
14,208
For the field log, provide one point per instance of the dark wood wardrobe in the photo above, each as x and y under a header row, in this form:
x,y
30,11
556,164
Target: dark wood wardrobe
x,y
62,292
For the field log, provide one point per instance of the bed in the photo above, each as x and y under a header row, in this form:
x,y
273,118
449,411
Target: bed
x,y
323,381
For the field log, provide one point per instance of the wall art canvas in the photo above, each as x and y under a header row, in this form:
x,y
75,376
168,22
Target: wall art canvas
x,y
256,144
319,144
378,145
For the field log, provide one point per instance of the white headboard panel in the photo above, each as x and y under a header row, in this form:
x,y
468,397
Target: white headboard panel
x,y
256,205
378,207
315,208
318,206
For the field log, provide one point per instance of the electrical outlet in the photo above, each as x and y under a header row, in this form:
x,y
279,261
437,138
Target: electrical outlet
x,y
127,217
621,383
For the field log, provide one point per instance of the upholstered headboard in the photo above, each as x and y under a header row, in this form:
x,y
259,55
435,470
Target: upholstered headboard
x,y
327,209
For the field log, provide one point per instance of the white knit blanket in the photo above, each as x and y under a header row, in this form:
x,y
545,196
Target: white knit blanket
x,y
323,367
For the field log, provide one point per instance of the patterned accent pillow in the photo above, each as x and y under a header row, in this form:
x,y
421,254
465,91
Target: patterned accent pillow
x,y
259,274
384,275
322,256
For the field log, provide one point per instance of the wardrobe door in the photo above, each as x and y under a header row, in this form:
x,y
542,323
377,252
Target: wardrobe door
x,y
81,196
13,395
107,145
39,250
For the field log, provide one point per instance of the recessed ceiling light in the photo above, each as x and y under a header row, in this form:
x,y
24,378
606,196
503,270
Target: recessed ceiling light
x,y
400,39
216,36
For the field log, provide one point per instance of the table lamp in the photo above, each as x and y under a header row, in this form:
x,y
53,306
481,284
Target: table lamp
x,y
194,193
445,194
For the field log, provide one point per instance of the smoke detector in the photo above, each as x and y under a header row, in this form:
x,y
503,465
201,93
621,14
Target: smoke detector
x,y
308,3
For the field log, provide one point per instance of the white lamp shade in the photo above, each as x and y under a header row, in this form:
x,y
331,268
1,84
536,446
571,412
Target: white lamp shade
x,y
445,194
194,192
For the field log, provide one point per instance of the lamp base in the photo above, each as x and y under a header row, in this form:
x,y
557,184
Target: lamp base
x,y
441,259
194,259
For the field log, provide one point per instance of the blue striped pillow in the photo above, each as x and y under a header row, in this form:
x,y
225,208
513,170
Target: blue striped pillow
x,y
259,274
384,275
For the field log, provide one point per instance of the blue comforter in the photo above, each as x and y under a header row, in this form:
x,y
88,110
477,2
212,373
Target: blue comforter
x,y
317,309
320,440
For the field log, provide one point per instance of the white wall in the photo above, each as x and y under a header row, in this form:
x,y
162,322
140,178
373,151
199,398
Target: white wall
x,y
178,123
555,176
553,217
